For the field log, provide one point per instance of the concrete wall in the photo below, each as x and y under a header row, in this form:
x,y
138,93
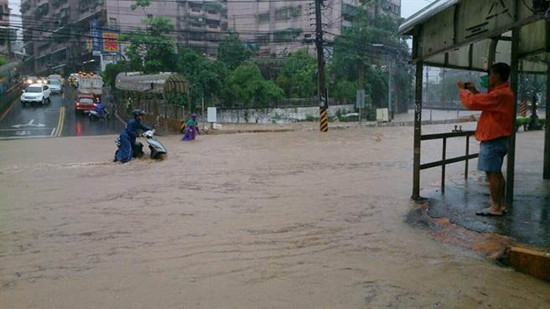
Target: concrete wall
x,y
276,115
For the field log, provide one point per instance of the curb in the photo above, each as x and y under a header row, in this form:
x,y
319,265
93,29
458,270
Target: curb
x,y
529,261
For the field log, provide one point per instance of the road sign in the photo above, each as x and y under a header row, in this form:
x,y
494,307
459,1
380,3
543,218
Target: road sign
x,y
95,34
360,99
212,114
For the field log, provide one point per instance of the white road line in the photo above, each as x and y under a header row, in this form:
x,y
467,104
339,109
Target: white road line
x,y
53,132
26,129
24,137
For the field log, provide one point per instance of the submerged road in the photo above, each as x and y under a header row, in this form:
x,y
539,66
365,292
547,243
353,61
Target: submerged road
x,y
58,118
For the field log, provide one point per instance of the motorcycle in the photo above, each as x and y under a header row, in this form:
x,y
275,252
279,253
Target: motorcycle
x,y
94,115
157,150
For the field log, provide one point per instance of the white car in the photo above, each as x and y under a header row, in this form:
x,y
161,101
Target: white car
x,y
36,93
55,86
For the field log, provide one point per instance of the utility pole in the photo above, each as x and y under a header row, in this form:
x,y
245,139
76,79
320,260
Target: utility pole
x,y
428,91
390,109
321,91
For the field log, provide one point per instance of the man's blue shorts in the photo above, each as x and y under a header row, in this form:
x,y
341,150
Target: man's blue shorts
x,y
491,155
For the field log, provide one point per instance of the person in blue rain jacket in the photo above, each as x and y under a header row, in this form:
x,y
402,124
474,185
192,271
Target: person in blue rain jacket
x,y
99,107
128,136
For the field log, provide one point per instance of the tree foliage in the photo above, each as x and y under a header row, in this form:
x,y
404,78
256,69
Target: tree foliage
x,y
247,86
206,77
365,52
231,51
298,75
112,70
152,50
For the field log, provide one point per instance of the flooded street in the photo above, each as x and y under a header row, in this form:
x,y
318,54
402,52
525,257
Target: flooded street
x,y
274,220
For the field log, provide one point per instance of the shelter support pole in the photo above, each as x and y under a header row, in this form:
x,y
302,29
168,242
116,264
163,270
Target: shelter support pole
x,y
417,130
546,171
511,162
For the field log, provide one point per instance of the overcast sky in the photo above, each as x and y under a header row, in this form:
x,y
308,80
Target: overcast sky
x,y
409,7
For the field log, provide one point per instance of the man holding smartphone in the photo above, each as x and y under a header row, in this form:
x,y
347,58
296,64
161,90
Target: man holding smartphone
x,y
494,127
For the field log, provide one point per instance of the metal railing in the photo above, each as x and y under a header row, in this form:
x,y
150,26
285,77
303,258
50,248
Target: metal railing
x,y
444,161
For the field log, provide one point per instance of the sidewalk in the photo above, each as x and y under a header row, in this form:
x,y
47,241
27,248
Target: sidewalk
x,y
527,223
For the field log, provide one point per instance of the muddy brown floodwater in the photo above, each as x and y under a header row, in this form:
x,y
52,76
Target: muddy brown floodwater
x,y
275,220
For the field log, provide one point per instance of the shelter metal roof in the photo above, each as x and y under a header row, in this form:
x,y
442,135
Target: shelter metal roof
x,y
458,34
154,83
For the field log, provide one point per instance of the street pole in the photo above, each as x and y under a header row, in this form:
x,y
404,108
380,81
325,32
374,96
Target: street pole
x,y
390,67
428,91
321,91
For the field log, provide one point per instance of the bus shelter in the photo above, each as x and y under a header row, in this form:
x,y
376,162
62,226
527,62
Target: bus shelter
x,y
473,35
161,83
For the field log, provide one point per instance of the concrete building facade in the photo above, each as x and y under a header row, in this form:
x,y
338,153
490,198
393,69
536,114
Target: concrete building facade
x,y
5,32
57,32
280,27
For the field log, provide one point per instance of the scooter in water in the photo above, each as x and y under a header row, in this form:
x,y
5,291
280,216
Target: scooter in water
x,y
157,150
94,115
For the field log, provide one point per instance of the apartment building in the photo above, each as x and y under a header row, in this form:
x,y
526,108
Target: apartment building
x,y
280,27
5,33
57,32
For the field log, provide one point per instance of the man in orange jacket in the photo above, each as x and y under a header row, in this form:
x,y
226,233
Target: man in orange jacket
x,y
494,127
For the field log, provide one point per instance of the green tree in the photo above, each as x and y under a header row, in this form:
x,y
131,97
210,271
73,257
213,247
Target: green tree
x,y
112,70
297,77
206,77
363,54
247,86
152,50
231,51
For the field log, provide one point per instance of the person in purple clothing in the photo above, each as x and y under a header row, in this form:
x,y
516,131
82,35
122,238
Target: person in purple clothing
x,y
191,129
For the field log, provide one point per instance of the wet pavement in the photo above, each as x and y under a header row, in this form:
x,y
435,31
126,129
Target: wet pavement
x,y
527,222
56,119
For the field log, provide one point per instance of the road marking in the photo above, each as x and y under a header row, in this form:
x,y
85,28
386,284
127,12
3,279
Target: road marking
x,y
27,129
61,121
25,137
8,109
21,133
53,132
30,124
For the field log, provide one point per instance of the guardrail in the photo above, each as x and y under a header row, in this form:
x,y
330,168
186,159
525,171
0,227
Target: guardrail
x,y
444,161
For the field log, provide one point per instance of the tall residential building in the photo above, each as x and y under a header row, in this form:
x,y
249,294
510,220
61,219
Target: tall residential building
x,y
280,27
57,32
5,33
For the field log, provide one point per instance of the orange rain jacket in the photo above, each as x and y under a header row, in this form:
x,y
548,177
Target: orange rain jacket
x,y
497,111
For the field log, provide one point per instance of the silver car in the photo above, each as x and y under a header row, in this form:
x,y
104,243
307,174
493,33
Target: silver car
x,y
55,86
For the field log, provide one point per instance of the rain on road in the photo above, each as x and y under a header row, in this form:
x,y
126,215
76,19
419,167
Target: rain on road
x,y
58,118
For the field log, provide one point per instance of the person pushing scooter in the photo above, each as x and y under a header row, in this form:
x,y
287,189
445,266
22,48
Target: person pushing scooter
x,y
128,136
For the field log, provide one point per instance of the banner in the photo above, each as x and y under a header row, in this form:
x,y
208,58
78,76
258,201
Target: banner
x,y
95,36
110,42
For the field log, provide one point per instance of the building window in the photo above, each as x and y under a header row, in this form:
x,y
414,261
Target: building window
x,y
288,12
262,38
287,34
263,18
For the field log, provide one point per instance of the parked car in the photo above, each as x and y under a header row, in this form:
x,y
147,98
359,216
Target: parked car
x,y
84,102
36,93
55,86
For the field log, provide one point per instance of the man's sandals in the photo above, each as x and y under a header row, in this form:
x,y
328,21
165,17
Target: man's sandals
x,y
487,213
